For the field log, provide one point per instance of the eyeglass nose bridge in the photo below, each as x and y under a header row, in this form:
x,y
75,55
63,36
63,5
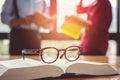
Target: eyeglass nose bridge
x,y
64,50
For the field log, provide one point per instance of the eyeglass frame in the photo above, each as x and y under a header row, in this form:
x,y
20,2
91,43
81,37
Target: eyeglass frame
x,y
40,52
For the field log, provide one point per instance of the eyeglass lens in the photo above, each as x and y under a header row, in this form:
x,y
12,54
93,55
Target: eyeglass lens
x,y
49,55
72,53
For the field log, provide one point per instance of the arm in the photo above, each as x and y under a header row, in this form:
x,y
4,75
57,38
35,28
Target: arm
x,y
8,15
80,8
39,19
39,16
18,21
7,12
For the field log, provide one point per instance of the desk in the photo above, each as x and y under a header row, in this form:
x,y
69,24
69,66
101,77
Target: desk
x,y
112,60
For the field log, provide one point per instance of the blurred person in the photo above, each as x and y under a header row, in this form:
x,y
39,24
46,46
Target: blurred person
x,y
24,17
94,39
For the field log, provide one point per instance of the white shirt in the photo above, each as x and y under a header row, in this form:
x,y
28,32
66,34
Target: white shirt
x,y
25,7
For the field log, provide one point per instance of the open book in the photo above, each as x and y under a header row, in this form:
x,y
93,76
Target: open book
x,y
19,69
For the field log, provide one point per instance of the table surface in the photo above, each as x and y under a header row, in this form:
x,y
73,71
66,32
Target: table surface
x,y
112,60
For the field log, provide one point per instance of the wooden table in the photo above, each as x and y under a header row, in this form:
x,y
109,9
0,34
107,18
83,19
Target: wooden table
x,y
112,60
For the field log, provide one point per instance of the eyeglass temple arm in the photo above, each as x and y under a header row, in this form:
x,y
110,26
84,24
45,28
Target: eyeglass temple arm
x,y
23,56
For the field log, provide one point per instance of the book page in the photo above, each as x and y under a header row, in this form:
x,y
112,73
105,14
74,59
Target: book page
x,y
18,63
3,69
91,68
61,63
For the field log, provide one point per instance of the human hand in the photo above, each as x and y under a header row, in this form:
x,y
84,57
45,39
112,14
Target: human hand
x,y
78,20
41,20
17,21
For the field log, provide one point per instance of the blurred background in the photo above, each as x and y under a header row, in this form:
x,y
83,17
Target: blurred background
x,y
57,39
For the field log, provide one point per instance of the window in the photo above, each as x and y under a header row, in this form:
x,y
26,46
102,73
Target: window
x,y
68,7
62,8
113,28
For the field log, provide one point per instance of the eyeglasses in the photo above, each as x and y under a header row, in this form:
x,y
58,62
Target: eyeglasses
x,y
51,54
